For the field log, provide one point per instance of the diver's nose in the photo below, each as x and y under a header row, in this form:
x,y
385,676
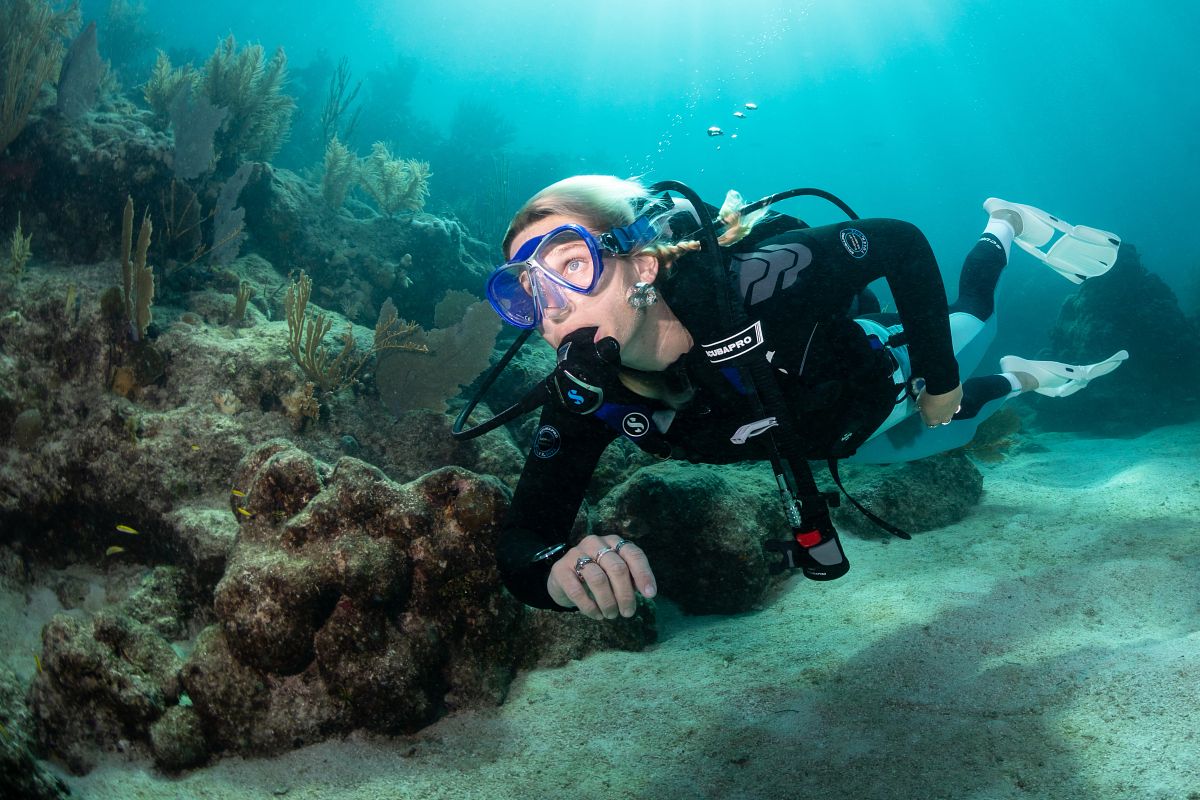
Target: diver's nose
x,y
557,313
554,301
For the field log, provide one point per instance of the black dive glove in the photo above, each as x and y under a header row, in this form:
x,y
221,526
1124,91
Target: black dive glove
x,y
586,370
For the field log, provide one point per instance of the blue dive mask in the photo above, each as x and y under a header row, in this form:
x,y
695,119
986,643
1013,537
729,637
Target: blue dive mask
x,y
535,282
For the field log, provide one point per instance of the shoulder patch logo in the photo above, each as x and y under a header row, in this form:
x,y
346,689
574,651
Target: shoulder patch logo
x,y
546,442
774,267
855,242
635,424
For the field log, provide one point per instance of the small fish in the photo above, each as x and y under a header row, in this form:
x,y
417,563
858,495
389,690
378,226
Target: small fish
x,y
126,529
112,551
739,114
237,493
715,131
244,512
751,106
195,447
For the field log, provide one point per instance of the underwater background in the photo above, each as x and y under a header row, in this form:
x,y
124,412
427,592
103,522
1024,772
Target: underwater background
x,y
242,559
917,110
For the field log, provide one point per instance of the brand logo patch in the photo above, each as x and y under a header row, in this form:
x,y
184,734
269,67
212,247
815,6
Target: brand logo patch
x,y
546,442
635,424
733,346
855,242
775,266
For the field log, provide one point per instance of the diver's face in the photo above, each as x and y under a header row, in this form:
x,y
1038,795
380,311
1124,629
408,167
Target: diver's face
x,y
605,307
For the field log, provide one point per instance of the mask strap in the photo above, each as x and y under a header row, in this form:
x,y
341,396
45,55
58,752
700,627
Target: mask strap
x,y
620,241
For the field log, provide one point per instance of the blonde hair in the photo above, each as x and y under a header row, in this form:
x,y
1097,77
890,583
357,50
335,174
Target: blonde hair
x,y
600,202
603,202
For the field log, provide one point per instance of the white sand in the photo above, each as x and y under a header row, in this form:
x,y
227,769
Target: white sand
x,y
1046,647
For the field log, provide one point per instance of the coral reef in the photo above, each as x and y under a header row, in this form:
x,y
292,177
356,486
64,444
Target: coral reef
x,y
19,250
348,602
341,171
234,106
164,83
291,223
137,275
440,361
128,39
21,775
251,87
31,53
195,122
229,220
337,104
721,516
1134,310
82,74
260,540
916,496
333,372
395,184
102,683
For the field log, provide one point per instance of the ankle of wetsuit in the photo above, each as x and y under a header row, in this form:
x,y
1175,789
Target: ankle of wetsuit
x,y
980,273
1003,231
978,392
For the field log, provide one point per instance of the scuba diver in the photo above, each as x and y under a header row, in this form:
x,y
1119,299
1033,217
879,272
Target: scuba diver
x,y
742,334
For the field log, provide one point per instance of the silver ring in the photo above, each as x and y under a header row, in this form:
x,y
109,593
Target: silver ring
x,y
580,564
601,553
947,423
620,544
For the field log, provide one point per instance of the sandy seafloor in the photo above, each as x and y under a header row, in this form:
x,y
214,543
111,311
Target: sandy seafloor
x,y
1045,647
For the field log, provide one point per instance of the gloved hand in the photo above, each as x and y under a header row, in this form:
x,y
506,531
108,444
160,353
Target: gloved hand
x,y
586,370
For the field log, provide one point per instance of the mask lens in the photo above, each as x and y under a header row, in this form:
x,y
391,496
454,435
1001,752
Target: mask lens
x,y
569,257
511,295
518,290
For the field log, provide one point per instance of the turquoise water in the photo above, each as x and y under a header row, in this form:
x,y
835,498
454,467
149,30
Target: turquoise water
x,y
912,109
917,110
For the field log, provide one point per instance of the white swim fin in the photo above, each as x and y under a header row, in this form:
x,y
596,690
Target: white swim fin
x,y
1080,252
1060,380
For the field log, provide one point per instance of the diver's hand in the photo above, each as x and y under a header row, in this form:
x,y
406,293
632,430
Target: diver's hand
x,y
610,583
939,409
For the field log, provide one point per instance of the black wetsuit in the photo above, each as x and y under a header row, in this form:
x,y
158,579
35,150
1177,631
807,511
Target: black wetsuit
x,y
801,285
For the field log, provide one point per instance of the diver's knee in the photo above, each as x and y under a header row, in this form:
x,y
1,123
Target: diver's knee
x,y
899,232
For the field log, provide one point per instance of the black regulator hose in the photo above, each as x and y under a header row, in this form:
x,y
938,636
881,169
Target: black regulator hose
x,y
775,198
534,398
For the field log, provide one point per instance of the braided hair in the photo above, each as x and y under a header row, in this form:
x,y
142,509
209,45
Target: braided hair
x,y
603,202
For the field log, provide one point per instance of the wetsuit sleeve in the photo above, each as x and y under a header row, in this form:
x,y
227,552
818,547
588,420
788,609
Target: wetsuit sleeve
x,y
558,468
848,256
916,284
